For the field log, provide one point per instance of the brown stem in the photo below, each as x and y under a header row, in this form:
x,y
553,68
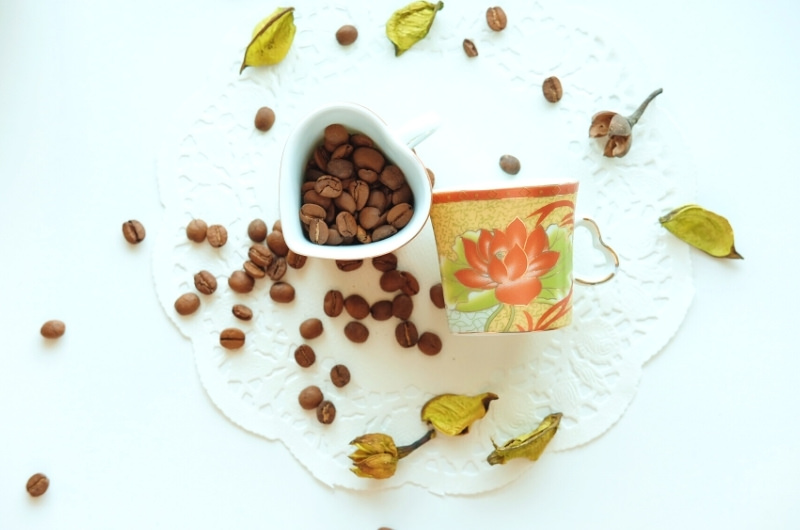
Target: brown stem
x,y
633,118
405,450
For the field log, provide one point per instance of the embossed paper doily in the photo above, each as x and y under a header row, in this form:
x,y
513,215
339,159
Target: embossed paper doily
x,y
217,167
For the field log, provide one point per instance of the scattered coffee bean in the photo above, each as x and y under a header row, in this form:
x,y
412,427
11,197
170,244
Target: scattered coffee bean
x,y
402,306
311,328
265,119
295,260
346,35
253,270
381,310
406,334
304,355
437,295
340,375
356,332
133,231
310,397
37,485
231,338
410,284
470,49
53,329
326,412
392,280
217,235
205,282
509,164
356,306
349,264
242,312
241,282
333,304
187,303
281,292
387,262
277,268
551,88
496,18
277,244
257,230
429,343
261,255
196,230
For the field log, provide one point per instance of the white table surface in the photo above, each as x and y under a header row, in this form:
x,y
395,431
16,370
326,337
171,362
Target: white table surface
x,y
114,412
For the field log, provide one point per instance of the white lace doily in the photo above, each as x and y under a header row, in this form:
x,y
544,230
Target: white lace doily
x,y
217,167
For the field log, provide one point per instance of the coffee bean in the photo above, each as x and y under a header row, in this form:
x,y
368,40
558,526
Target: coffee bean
x,y
384,263
253,270
334,237
257,230
295,260
335,134
310,397
333,303
368,158
361,140
340,375
470,49
381,310
231,338
406,334
346,224
410,284
402,306
356,306
400,215
37,485
368,176
53,329
382,232
205,282
340,168
496,18
304,355
346,35
133,231
392,280
328,186
318,231
510,164
551,88
265,119
242,312
437,295
261,255
370,217
217,235
311,328
345,202
429,343
196,230
326,412
281,292
348,265
401,195
360,192
312,197
378,199
187,303
277,269
343,151
277,244
277,226
356,331
241,282
392,177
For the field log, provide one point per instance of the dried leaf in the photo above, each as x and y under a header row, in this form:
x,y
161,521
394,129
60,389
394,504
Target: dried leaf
x,y
530,446
272,38
702,229
410,24
452,414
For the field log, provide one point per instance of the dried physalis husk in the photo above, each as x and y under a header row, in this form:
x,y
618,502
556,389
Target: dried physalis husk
x,y
410,24
452,414
702,229
272,38
530,446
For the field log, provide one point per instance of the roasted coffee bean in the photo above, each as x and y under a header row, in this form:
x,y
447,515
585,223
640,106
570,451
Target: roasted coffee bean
x,y
187,303
361,140
321,157
382,232
406,334
205,282
277,226
346,35
333,305
310,397
242,312
401,195
368,176
265,119
53,329
241,282
387,262
336,134
360,192
340,168
231,338
346,224
410,284
37,485
392,177
217,235
370,217
253,270
304,355
381,310
392,280
362,236
133,231
196,230
437,295
318,231
378,199
334,237
328,186
402,307
310,212
400,215
261,255
348,265
510,164
276,269
311,328
343,151
340,375
345,202
295,260
429,343
368,158
470,49
326,412
277,244
257,230
551,88
312,197
496,18
356,306
356,331
281,292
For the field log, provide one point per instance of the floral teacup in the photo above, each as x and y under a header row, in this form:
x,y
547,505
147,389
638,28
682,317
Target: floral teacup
x,y
505,256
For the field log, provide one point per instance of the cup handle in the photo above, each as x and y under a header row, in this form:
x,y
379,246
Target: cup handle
x,y
417,129
598,243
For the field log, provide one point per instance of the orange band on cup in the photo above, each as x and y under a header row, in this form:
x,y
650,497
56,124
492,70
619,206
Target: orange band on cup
x,y
549,190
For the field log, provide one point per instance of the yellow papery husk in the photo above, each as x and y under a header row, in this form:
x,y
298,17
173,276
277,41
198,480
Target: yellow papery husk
x,y
272,38
410,24
703,229
530,446
452,414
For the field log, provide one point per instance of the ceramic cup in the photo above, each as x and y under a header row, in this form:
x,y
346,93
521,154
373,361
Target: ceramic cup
x,y
505,256
395,143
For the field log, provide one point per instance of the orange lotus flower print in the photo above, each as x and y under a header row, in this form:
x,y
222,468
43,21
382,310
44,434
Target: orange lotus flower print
x,y
510,261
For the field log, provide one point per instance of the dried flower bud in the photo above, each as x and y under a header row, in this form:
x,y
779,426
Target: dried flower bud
x,y
617,129
376,454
